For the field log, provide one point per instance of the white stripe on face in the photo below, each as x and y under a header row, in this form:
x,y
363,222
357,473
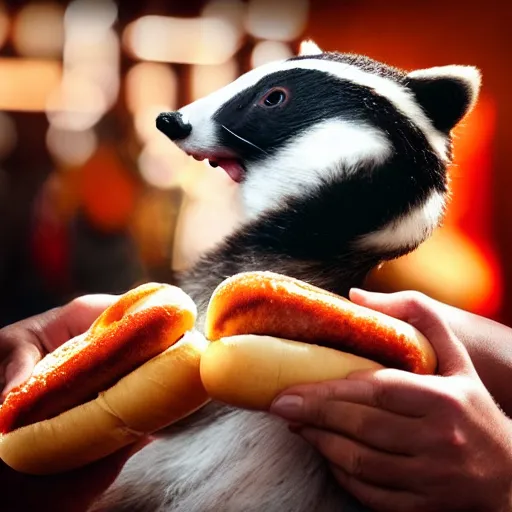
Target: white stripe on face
x,y
201,112
306,161
409,230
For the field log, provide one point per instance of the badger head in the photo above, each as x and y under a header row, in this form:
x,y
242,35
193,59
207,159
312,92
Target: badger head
x,y
338,139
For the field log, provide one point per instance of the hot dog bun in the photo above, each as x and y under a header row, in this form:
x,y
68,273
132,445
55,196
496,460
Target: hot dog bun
x,y
252,318
135,371
249,371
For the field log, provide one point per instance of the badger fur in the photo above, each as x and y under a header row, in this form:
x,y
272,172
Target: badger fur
x,y
342,164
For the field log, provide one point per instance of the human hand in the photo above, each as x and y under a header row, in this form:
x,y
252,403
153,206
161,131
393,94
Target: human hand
x,y
22,345
26,342
404,442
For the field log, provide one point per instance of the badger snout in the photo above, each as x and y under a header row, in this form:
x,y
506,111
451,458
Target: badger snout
x,y
173,125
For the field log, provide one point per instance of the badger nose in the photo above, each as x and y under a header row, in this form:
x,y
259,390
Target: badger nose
x,y
172,125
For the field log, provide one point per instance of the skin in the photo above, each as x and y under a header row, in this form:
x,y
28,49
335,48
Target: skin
x,y
404,442
444,442
22,345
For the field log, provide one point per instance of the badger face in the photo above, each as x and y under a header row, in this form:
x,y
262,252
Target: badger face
x,y
288,129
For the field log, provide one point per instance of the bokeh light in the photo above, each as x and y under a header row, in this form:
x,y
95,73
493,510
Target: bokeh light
x,y
269,51
71,148
160,163
77,104
205,79
31,82
38,30
182,40
149,84
282,20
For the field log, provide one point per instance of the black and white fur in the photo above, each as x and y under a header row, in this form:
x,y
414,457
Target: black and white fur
x,y
348,171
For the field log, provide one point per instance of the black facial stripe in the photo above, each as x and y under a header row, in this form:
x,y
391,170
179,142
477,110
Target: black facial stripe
x,y
314,97
360,202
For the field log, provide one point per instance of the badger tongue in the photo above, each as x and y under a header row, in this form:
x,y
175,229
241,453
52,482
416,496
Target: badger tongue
x,y
232,167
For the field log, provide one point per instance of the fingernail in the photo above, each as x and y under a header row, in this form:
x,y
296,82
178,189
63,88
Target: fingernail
x,y
289,406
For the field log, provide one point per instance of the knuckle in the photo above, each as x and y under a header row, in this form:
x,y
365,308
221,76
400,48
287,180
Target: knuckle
x,y
416,301
456,397
356,464
317,412
362,427
380,394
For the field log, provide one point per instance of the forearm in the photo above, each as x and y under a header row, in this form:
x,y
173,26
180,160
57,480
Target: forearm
x,y
490,346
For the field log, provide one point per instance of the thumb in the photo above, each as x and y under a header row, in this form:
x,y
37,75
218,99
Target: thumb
x,y
426,316
18,368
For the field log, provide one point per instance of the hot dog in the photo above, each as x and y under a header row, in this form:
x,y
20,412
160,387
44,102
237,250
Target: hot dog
x,y
135,371
269,332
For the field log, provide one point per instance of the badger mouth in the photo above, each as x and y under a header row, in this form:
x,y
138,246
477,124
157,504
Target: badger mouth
x,y
233,166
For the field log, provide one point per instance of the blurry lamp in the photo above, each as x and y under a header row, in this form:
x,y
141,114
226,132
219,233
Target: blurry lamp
x,y
8,135
4,25
71,148
149,84
38,30
160,163
182,40
30,83
76,104
207,79
282,20
269,51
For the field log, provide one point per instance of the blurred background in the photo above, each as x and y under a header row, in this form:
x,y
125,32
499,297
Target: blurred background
x,y
94,199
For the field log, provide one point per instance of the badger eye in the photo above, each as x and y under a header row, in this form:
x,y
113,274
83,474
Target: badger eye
x,y
274,97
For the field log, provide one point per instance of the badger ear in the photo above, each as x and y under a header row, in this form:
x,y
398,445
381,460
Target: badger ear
x,y
446,93
309,47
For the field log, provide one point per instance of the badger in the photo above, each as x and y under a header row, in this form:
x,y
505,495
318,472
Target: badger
x,y
342,164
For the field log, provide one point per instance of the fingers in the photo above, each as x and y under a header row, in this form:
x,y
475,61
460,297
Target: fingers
x,y
425,315
375,428
375,497
23,344
57,326
18,367
391,390
360,461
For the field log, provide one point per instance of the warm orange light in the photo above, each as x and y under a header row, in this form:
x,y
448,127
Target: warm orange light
x,y
71,148
4,25
149,84
29,85
268,51
153,226
207,79
108,191
211,209
39,30
449,267
282,20
160,163
76,104
200,40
